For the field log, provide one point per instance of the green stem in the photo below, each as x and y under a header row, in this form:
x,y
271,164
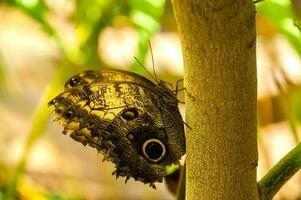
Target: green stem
x,y
270,184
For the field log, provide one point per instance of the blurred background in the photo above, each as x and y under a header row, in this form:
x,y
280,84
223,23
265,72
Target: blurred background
x,y
44,42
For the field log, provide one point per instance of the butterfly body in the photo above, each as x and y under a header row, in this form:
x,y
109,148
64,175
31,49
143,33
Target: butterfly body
x,y
134,122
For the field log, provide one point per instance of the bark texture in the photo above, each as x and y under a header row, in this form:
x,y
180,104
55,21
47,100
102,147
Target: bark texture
x,y
218,42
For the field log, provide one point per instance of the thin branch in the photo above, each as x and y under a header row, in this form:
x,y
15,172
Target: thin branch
x,y
270,184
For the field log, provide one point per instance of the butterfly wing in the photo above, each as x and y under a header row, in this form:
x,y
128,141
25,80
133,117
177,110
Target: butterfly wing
x,y
129,120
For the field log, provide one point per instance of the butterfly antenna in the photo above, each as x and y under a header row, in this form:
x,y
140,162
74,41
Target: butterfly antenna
x,y
153,77
153,61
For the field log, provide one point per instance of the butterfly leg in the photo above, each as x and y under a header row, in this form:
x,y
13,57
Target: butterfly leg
x,y
177,86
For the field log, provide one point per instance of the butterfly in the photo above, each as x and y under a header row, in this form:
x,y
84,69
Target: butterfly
x,y
134,122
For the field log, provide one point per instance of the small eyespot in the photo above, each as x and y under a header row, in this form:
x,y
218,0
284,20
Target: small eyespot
x,y
130,136
52,102
74,81
68,114
154,150
130,114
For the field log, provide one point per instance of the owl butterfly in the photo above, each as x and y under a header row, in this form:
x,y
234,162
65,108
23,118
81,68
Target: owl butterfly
x,y
133,122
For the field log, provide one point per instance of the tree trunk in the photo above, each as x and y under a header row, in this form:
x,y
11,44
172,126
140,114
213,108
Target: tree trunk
x,y
218,42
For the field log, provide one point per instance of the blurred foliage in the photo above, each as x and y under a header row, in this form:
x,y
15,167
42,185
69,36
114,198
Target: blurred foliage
x,y
280,13
90,18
